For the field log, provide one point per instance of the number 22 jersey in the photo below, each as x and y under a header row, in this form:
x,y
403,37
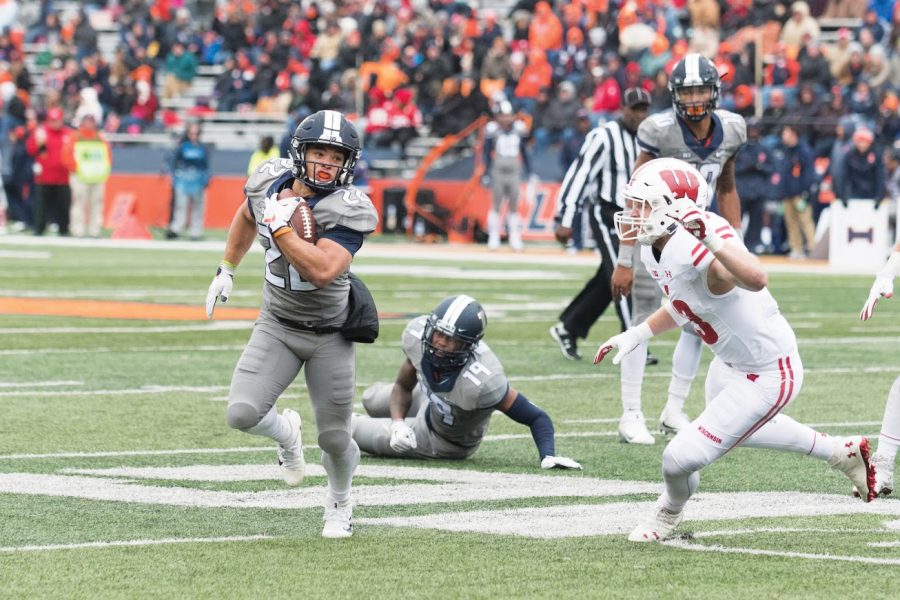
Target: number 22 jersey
x,y
743,328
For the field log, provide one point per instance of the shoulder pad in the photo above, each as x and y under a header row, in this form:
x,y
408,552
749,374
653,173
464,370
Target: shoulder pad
x,y
652,129
735,126
257,187
491,129
348,207
493,388
411,339
265,175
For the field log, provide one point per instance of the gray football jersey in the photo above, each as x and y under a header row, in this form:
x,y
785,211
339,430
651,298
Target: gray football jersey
x,y
463,414
664,135
285,293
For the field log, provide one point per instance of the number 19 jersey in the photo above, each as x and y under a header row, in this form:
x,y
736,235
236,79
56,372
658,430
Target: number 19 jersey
x,y
460,415
743,328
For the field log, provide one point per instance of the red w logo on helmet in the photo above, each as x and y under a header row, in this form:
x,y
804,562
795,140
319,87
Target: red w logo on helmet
x,y
682,183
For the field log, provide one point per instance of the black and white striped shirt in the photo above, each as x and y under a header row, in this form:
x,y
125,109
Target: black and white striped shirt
x,y
600,173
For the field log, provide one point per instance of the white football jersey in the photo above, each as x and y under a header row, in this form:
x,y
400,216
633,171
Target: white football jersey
x,y
743,328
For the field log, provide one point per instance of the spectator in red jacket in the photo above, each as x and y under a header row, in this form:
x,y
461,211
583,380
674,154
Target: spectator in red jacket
x,y
51,179
393,119
607,93
143,110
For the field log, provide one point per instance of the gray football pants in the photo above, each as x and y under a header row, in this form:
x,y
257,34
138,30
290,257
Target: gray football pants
x,y
645,294
273,359
505,179
373,433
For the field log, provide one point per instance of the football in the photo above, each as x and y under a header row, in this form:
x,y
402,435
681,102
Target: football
x,y
302,220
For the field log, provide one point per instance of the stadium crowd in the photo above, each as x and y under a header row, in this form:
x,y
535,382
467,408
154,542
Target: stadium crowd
x,y
830,69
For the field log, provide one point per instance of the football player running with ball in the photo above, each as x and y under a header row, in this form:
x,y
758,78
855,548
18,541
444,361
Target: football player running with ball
x,y
305,302
715,285
440,406
889,438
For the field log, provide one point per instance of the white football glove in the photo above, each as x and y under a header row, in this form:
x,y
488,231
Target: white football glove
x,y
625,342
219,288
559,462
883,286
693,219
277,212
403,438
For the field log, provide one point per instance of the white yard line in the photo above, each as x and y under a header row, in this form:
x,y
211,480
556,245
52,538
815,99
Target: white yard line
x,y
114,454
25,254
543,254
686,545
126,543
210,326
163,389
107,350
30,384
246,449
154,389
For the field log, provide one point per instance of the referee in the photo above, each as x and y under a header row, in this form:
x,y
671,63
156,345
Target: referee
x,y
598,177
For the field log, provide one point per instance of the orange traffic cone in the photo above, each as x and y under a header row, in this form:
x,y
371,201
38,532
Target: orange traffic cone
x,y
125,221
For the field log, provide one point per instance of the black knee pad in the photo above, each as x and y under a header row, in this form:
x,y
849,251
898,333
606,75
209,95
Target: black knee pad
x,y
241,415
334,441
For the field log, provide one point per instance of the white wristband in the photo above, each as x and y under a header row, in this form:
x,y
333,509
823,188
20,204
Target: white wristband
x,y
713,242
643,332
626,256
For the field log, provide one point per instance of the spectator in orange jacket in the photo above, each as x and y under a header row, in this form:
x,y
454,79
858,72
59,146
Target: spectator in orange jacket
x,y
87,156
536,75
545,31
53,195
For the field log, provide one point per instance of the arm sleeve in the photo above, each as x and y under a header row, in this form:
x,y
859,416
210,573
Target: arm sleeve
x,y
524,412
488,154
350,239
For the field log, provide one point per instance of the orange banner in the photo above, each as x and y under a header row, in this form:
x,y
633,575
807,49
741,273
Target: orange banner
x,y
152,198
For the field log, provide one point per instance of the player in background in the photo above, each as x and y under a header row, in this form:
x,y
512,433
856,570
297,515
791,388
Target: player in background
x,y
699,133
597,178
716,285
889,438
305,301
447,388
505,156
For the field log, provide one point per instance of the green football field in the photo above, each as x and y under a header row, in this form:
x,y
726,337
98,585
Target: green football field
x,y
120,479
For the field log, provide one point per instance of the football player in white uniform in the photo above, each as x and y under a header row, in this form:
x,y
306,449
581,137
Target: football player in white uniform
x,y
448,387
715,285
305,302
697,131
889,438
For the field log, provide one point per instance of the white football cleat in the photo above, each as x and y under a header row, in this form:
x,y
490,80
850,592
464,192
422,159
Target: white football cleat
x,y
673,422
884,474
338,520
851,457
633,429
290,457
658,529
